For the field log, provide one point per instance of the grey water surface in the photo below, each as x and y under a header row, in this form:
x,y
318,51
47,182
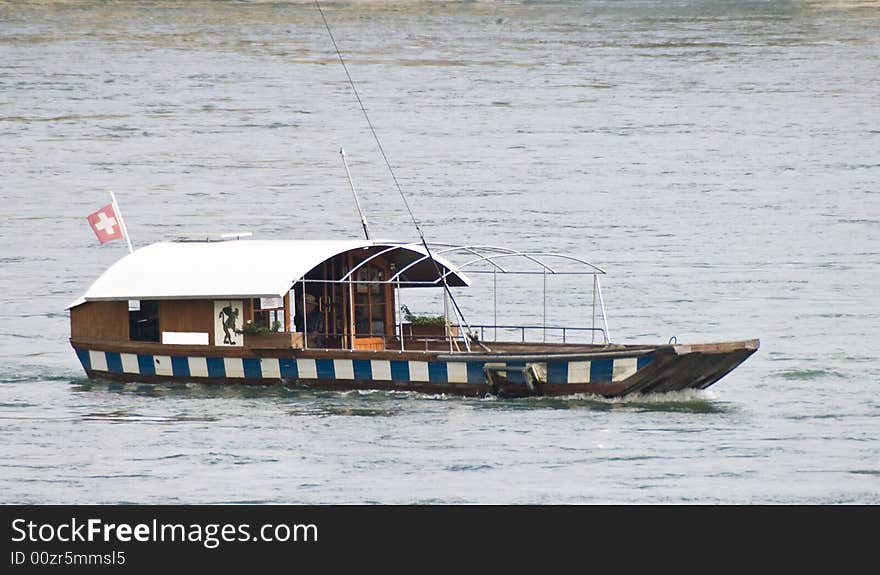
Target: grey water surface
x,y
719,159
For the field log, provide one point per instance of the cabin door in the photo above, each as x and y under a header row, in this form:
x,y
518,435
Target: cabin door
x,y
335,304
372,306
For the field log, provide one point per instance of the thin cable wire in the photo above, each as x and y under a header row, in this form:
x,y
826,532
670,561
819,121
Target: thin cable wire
x,y
388,164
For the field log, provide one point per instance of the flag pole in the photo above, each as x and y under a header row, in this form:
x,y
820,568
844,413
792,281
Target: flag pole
x,y
121,222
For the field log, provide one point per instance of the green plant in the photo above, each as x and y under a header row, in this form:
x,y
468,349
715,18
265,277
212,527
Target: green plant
x,y
251,327
421,319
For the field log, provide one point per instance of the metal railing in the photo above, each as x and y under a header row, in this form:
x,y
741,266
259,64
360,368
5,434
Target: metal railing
x,y
395,341
390,341
543,329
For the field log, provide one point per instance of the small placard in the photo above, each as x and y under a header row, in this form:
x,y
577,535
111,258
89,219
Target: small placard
x,y
184,338
271,303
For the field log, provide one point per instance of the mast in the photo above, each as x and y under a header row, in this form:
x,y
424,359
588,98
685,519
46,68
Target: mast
x,y
457,310
355,194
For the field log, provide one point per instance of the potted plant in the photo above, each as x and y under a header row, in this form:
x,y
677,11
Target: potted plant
x,y
425,325
251,327
262,336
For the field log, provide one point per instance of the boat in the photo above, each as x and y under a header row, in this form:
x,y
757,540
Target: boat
x,y
327,314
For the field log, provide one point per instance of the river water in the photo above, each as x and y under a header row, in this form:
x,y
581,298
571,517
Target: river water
x,y
719,159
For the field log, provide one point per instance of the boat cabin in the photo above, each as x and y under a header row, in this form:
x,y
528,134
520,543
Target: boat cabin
x,y
333,294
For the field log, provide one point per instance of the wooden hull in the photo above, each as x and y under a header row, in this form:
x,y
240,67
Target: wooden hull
x,y
509,370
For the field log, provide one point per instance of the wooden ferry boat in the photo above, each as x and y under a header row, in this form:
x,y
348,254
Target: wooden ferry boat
x,y
325,314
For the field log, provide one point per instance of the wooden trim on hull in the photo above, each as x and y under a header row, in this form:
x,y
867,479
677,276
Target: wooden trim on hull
x,y
461,389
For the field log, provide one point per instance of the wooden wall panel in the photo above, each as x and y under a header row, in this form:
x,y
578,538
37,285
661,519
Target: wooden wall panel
x,y
390,309
247,310
187,315
100,320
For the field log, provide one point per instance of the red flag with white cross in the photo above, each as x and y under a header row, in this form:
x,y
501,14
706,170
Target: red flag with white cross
x,y
106,224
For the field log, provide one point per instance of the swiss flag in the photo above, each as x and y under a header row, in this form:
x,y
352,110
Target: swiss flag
x,y
105,224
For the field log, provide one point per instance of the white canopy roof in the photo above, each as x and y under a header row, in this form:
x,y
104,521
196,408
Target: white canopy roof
x,y
246,268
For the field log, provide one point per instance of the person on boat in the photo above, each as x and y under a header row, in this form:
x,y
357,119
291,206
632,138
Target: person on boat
x,y
314,321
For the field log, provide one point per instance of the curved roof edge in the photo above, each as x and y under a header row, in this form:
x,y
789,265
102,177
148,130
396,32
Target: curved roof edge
x,y
239,269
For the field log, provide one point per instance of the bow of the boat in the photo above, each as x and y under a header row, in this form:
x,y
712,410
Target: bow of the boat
x,y
695,366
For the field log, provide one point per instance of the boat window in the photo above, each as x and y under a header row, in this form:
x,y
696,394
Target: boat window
x,y
143,321
267,311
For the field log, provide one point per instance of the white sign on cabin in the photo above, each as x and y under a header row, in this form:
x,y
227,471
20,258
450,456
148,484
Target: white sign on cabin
x,y
185,338
228,317
271,302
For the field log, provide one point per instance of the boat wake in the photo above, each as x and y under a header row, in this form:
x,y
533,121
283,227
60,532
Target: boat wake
x,y
684,401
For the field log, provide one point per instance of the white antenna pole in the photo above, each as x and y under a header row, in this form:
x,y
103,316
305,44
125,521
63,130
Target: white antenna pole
x,y
354,192
121,222
602,308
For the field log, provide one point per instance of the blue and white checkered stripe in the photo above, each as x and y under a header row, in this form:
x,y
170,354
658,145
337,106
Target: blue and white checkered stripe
x,y
554,372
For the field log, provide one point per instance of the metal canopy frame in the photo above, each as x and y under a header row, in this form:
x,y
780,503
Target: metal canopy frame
x,y
484,254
